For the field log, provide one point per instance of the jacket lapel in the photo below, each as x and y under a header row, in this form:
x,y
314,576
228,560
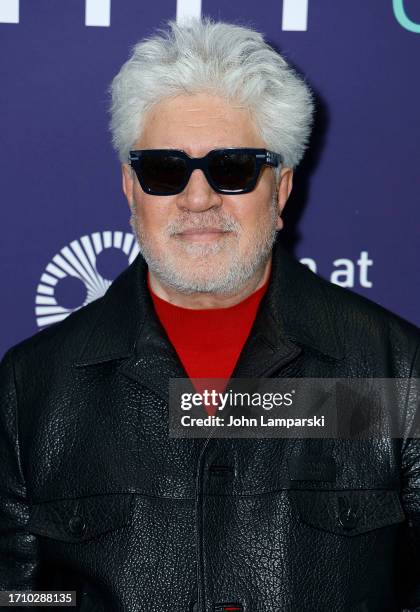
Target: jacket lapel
x,y
294,315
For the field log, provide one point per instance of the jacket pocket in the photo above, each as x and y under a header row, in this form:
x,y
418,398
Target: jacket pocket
x,y
80,519
348,512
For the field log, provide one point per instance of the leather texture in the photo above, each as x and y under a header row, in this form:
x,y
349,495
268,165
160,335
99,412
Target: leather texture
x,y
95,496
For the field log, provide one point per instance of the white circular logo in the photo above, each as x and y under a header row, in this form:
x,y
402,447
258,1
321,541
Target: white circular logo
x,y
82,272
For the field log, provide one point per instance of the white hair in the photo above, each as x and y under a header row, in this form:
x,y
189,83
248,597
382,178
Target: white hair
x,y
220,58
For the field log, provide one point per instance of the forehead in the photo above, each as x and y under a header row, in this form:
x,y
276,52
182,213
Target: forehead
x,y
198,123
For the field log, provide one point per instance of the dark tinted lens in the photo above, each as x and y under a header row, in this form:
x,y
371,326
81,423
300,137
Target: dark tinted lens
x,y
163,173
232,171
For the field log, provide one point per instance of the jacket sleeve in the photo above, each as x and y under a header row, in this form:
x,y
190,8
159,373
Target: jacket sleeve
x,y
408,568
18,548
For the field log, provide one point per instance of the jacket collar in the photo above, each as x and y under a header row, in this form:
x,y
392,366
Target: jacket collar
x,y
293,314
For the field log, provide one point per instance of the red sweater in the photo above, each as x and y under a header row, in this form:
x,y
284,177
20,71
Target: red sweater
x,y
209,341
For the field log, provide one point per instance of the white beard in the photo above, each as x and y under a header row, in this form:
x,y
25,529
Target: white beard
x,y
202,275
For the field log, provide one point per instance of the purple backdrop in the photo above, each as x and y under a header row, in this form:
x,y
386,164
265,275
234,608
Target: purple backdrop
x,y
354,212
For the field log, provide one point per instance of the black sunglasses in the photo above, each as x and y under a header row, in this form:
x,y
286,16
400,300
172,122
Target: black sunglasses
x,y
165,172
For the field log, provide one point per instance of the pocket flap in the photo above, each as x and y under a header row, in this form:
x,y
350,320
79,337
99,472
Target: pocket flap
x,y
348,512
82,518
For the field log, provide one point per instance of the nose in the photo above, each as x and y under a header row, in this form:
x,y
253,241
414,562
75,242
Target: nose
x,y
198,196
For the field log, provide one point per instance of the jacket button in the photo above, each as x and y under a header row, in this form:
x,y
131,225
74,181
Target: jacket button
x,y
348,519
77,525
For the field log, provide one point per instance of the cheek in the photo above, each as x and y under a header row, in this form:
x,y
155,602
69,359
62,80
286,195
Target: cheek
x,y
150,217
258,207
253,213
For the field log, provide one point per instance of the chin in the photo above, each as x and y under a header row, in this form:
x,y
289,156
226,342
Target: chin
x,y
196,282
193,277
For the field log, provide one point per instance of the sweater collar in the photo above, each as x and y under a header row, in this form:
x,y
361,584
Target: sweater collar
x,y
206,328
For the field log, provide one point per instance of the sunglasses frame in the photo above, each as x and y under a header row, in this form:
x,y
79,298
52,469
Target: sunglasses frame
x,y
263,157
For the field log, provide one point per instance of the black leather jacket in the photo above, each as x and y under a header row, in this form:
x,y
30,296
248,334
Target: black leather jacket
x,y
95,497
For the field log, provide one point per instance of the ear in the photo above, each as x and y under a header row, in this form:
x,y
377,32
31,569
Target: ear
x,y
128,184
284,188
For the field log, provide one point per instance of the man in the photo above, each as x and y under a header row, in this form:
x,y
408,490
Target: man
x,y
209,123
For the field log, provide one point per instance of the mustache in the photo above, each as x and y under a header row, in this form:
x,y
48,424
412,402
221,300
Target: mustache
x,y
221,222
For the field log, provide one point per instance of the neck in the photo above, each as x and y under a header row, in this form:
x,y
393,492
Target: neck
x,y
210,300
